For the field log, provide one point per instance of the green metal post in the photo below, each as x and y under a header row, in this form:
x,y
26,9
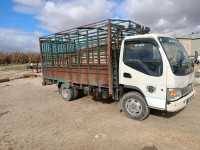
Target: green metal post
x,y
70,60
79,68
88,62
109,58
98,51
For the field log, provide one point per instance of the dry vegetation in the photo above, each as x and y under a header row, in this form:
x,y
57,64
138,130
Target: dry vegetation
x,y
19,58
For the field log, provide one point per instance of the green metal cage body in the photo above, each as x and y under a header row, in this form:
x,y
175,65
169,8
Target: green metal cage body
x,y
87,55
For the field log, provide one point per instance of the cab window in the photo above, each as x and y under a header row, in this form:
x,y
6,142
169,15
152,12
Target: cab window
x,y
143,56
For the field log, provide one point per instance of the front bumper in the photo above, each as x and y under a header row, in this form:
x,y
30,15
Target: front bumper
x,y
179,104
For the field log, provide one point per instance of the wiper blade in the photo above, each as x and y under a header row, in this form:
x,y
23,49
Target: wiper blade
x,y
175,67
186,64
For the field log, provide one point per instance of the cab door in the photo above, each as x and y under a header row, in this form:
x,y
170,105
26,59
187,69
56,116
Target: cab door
x,y
142,68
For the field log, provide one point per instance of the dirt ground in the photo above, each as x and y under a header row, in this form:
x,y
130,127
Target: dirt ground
x,y
33,116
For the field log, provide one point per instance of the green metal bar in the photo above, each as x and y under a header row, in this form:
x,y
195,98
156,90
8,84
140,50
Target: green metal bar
x,y
98,50
69,58
109,58
88,62
49,57
63,60
78,40
56,57
106,52
79,69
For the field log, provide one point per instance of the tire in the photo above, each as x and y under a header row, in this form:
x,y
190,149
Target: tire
x,y
134,106
66,93
75,92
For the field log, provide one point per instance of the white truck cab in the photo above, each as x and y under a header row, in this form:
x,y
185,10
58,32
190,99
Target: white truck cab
x,y
159,68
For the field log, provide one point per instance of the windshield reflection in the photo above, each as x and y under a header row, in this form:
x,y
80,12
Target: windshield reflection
x,y
171,47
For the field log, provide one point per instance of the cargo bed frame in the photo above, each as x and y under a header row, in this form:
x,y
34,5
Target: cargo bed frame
x,y
87,56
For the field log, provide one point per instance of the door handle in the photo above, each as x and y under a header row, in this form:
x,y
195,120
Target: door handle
x,y
127,75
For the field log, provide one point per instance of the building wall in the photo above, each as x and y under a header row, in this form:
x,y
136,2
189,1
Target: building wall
x,y
187,44
195,46
191,43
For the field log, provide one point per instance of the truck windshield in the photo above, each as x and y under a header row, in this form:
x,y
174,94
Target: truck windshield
x,y
171,47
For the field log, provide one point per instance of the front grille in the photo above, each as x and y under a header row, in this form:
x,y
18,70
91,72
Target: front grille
x,y
186,90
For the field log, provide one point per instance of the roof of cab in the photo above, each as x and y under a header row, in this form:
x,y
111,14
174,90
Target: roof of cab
x,y
154,35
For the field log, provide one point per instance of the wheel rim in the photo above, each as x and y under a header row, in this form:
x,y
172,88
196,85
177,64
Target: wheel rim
x,y
64,92
133,107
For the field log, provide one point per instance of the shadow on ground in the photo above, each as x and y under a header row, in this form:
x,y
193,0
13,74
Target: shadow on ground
x,y
149,148
104,101
164,114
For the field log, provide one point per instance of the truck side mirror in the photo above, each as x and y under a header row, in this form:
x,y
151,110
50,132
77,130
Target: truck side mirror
x,y
196,59
196,55
192,64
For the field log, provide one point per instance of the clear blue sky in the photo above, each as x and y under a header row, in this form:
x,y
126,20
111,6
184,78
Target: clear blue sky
x,y
12,19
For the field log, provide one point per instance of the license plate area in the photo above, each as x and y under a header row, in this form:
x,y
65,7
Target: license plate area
x,y
190,99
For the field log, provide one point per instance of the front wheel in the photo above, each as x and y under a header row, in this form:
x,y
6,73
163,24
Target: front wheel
x,y
134,106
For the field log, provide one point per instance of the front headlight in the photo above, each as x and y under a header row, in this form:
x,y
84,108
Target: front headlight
x,y
173,94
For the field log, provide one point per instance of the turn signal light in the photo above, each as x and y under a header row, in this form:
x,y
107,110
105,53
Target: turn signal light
x,y
172,93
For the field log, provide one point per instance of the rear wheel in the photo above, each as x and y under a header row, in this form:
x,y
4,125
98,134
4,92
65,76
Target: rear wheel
x,y
75,92
66,93
134,106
